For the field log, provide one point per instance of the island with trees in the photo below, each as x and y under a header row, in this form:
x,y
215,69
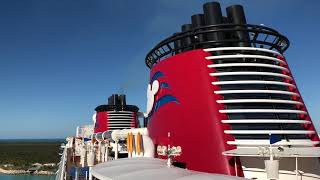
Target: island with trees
x,y
30,156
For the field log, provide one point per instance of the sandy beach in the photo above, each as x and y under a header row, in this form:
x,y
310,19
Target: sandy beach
x,y
12,172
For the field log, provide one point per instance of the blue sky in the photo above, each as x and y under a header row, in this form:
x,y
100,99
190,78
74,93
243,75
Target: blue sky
x,y
59,59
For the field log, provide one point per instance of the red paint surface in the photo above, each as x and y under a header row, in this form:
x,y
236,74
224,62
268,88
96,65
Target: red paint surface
x,y
134,121
194,122
101,124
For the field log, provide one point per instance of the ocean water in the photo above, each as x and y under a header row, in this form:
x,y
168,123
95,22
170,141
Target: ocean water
x,y
25,177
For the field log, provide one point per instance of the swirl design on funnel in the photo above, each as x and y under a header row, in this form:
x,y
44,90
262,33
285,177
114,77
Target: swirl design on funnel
x,y
155,100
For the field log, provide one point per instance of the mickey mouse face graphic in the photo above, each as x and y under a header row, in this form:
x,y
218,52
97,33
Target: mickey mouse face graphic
x,y
151,93
156,99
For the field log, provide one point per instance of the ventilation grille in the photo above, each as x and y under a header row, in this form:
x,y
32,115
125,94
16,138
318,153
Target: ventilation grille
x,y
121,120
259,96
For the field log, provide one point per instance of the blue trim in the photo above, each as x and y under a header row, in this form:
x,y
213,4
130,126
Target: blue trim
x,y
164,85
274,138
165,100
156,76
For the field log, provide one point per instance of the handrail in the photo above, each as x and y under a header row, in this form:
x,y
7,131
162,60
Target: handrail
x,y
166,47
247,65
263,121
240,91
269,132
225,57
280,101
253,82
242,49
227,111
62,166
251,73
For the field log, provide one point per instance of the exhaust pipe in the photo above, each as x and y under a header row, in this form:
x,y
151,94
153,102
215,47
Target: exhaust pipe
x,y
197,21
213,16
236,15
187,41
122,101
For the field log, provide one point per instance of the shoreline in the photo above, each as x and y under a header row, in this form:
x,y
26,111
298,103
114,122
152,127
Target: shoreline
x,y
23,172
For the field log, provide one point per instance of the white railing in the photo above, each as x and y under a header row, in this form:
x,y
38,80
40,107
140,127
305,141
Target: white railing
x,y
269,132
256,121
243,48
248,65
259,142
231,101
236,66
61,173
262,111
267,63
256,92
252,82
231,57
120,119
251,73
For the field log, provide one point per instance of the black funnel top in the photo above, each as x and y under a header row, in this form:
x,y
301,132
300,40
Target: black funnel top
x,y
197,21
236,14
186,42
210,29
117,102
186,27
212,13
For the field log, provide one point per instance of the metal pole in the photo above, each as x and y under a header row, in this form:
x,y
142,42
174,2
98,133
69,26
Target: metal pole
x,y
107,152
270,151
99,152
297,168
90,174
76,174
235,165
116,151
